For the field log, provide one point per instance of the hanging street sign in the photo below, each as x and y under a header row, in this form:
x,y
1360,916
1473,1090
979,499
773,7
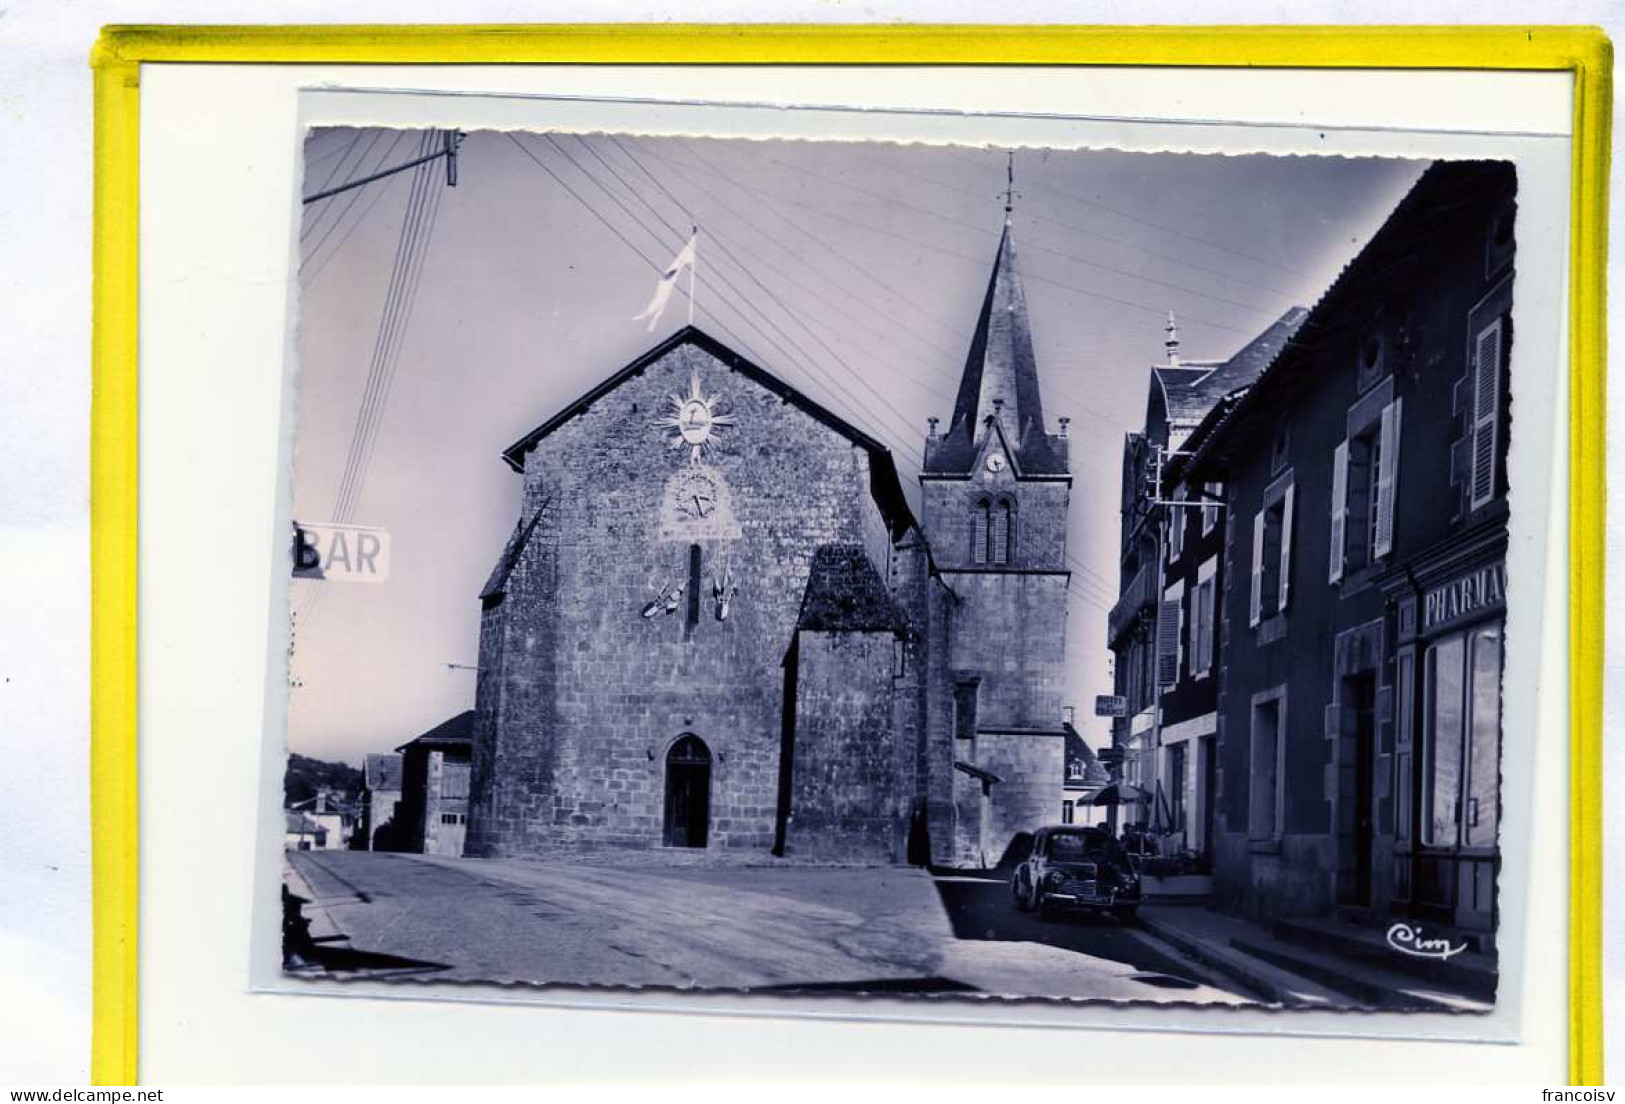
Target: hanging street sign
x,y
341,553
1111,705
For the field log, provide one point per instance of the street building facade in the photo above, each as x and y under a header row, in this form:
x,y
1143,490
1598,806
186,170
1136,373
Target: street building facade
x,y
1362,565
1162,630
718,622
434,787
380,798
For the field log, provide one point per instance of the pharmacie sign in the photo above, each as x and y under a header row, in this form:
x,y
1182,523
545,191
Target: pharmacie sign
x,y
1476,592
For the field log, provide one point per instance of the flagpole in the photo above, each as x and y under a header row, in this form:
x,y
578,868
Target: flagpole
x,y
694,264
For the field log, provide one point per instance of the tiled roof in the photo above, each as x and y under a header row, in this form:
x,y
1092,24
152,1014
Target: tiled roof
x,y
459,730
846,594
1001,375
301,825
382,771
498,580
1193,388
1438,191
1078,749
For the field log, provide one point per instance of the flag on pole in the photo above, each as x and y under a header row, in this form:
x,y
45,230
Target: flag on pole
x,y
668,281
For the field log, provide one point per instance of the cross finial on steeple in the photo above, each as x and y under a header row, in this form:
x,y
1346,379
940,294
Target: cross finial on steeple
x,y
1010,192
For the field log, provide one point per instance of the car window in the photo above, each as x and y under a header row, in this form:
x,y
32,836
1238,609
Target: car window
x,y
1070,846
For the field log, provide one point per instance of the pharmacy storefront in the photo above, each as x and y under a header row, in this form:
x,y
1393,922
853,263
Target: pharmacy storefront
x,y
1450,616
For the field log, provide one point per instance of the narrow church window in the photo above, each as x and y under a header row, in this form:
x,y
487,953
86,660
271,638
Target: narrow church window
x,y
1003,532
693,589
980,525
965,710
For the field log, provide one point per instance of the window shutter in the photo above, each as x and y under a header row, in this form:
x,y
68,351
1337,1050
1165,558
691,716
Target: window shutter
x,y
1286,547
1486,411
1001,533
1193,632
978,539
1258,569
1168,643
1387,479
1340,508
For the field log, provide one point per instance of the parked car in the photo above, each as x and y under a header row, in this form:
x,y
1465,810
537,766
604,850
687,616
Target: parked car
x,y
1076,867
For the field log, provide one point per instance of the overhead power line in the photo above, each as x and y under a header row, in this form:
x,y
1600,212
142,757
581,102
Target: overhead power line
x,y
1131,217
1035,246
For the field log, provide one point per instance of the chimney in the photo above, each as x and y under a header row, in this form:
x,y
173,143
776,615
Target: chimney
x,y
1171,342
1065,422
932,422
1067,714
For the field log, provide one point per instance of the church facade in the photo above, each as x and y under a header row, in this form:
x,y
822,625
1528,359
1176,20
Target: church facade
x,y
719,622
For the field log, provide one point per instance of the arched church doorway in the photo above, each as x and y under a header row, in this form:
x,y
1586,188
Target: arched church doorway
x,y
688,793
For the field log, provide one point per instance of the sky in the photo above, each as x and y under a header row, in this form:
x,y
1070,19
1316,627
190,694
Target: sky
x,y
854,271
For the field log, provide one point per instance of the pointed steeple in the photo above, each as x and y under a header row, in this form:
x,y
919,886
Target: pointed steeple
x,y
1000,379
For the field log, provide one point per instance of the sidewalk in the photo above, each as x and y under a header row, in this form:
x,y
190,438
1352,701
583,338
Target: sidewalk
x,y
1293,975
1210,937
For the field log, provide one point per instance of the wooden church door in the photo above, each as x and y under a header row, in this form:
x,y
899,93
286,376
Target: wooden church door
x,y
688,793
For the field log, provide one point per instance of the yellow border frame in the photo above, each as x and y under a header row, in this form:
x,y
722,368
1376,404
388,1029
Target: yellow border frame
x,y
121,51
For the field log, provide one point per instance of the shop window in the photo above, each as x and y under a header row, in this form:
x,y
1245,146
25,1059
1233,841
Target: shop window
x,y
1488,352
1272,555
1066,812
1365,470
1462,740
1176,787
1267,739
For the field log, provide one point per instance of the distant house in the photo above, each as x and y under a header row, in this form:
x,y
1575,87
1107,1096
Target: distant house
x,y
1085,778
303,833
433,810
336,819
380,828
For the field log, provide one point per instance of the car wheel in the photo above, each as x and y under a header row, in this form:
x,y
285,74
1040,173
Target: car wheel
x,y
1126,914
1045,910
1023,902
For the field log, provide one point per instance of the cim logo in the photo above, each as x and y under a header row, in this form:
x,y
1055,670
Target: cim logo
x,y
1408,940
342,553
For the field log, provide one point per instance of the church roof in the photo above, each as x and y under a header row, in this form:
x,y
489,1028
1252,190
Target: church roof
x,y
884,483
1000,377
456,732
846,594
497,582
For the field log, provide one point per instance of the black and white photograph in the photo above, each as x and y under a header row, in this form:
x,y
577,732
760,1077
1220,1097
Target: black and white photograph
x,y
898,570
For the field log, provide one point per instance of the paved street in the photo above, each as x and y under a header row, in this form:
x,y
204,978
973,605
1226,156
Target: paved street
x,y
883,929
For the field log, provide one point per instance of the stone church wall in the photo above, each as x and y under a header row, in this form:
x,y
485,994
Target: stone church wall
x,y
849,798
1028,794
586,695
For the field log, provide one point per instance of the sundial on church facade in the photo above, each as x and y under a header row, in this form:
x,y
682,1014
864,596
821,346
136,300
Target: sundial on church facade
x,y
694,422
696,503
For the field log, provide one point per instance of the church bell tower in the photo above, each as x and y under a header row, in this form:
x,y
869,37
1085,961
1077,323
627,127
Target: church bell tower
x,y
996,489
